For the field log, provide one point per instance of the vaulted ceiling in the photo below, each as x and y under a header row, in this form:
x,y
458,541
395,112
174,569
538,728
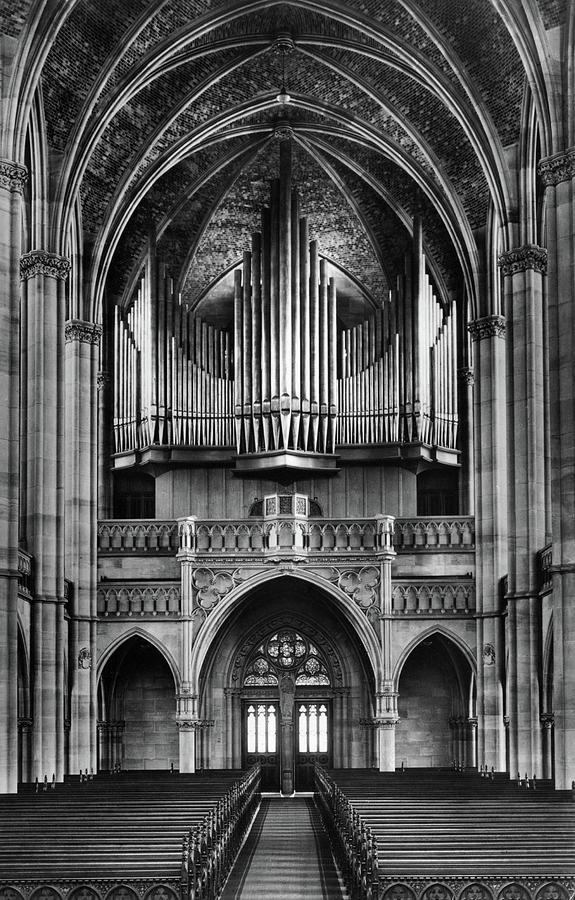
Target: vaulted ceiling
x,y
162,116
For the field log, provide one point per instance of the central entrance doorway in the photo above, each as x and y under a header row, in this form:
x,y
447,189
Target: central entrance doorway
x,y
311,733
287,711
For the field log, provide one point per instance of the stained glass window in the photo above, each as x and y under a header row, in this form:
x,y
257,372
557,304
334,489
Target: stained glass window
x,y
284,651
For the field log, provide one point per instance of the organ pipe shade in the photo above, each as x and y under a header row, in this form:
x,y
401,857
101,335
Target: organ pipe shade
x,y
287,374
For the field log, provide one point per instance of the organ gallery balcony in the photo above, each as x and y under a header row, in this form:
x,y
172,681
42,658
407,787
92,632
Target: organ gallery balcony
x,y
432,559
325,536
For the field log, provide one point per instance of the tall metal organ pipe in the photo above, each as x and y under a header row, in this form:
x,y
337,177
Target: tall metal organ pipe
x,y
293,405
285,377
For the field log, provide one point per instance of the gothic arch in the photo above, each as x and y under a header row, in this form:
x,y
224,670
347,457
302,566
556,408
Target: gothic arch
x,y
425,635
212,625
155,642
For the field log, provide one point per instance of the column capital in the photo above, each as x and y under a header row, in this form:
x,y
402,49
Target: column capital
x,y
547,720
12,176
103,380
194,724
486,327
466,374
530,256
39,262
557,168
84,332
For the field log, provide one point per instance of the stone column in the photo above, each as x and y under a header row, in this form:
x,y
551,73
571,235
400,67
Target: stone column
x,y
191,619
523,271
488,337
105,431
12,177
467,487
43,275
471,743
558,175
24,732
286,736
82,341
547,725
386,697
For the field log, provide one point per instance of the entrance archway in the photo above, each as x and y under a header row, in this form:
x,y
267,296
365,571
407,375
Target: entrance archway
x,y
295,682
290,730
436,725
136,709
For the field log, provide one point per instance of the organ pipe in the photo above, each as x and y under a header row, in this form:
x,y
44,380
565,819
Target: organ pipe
x,y
286,375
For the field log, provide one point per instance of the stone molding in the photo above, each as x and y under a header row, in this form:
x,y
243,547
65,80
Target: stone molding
x,y
522,259
84,332
12,176
557,168
486,327
39,262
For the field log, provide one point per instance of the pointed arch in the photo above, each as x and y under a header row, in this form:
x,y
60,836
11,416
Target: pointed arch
x,y
426,634
152,639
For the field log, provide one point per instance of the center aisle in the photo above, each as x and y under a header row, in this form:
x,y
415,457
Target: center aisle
x,y
286,855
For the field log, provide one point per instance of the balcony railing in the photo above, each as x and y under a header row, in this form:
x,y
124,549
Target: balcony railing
x,y
426,596
25,573
544,562
285,534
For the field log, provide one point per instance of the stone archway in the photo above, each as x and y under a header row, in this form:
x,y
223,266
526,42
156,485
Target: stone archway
x,y
276,609
136,709
436,725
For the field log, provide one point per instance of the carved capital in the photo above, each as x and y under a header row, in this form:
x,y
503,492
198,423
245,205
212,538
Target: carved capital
x,y
38,262
523,258
12,176
466,375
547,720
84,332
194,724
487,327
560,167
103,380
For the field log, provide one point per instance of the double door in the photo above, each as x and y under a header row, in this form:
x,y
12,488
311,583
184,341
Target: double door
x,y
287,747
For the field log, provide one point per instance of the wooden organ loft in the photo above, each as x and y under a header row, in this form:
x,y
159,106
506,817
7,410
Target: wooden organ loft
x,y
288,383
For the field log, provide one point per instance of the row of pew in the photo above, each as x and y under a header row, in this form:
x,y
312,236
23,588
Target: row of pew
x,y
116,827
437,823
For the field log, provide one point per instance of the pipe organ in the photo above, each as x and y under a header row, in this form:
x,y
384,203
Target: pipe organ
x,y
287,374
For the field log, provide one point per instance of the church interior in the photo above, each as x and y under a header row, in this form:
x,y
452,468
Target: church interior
x,y
287,419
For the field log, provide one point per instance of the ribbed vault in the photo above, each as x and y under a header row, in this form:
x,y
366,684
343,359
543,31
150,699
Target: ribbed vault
x,y
161,117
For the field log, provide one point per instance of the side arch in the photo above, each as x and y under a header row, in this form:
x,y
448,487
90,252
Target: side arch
x,y
425,635
138,631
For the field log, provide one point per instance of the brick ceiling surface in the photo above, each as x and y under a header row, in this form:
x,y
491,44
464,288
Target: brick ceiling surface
x,y
163,111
